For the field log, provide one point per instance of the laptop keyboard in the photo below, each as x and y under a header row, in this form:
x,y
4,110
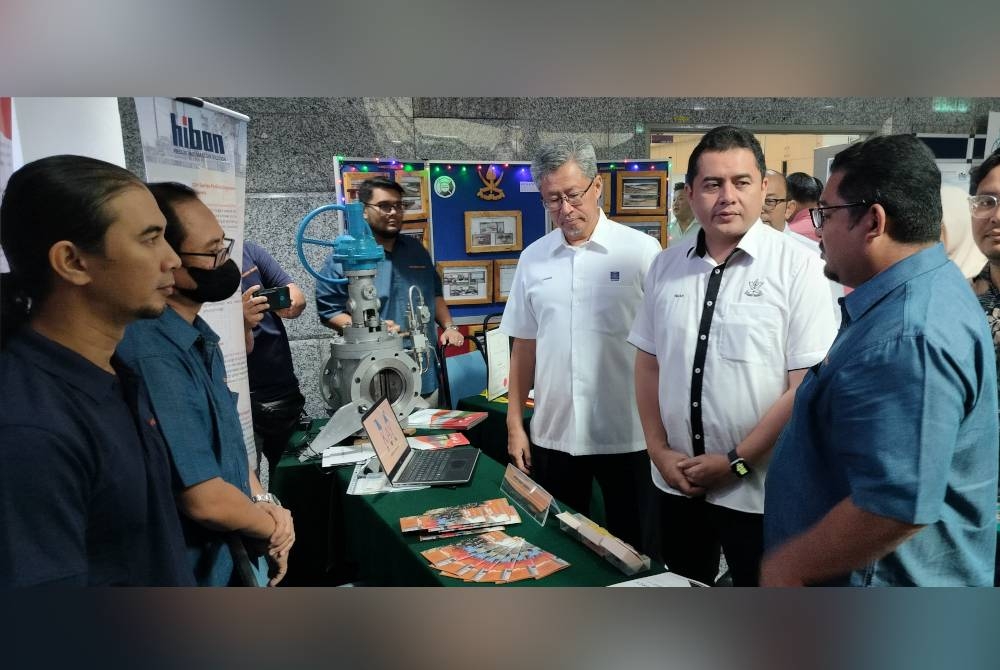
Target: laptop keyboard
x,y
426,466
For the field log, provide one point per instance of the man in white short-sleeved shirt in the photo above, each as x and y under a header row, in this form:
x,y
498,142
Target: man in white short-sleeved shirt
x,y
728,326
574,296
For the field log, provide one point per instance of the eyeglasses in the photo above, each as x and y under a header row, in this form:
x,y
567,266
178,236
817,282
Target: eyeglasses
x,y
572,199
771,202
819,218
218,257
981,206
387,207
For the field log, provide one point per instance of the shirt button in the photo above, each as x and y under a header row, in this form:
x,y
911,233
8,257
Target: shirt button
x,y
709,303
718,271
697,371
694,404
702,337
697,437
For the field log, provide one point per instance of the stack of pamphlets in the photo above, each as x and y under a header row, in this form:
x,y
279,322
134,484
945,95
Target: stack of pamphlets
x,y
443,418
494,557
444,441
467,519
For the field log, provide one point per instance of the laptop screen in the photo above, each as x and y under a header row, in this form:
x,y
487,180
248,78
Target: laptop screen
x,y
386,435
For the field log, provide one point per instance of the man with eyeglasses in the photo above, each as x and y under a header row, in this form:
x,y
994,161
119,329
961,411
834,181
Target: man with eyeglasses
x,y
406,264
683,224
572,301
179,358
727,328
887,472
786,195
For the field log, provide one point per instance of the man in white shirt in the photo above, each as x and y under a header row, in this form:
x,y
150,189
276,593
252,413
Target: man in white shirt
x,y
728,326
574,295
683,225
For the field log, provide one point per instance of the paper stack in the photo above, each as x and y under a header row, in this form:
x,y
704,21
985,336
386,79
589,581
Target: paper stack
x,y
465,519
494,557
620,554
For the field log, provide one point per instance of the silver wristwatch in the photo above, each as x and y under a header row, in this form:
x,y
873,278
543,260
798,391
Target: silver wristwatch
x,y
266,497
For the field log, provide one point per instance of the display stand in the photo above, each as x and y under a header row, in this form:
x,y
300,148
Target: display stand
x,y
528,495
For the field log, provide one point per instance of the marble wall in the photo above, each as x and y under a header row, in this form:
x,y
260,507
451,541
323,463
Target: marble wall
x,y
293,141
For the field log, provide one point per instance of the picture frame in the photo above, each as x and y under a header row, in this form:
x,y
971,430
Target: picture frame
x,y
416,196
641,192
467,282
654,226
350,180
503,276
493,231
605,200
419,230
474,330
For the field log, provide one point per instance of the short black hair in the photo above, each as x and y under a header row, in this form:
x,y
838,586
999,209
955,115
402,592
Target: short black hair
x,y
366,188
979,172
899,173
48,200
803,188
724,138
168,195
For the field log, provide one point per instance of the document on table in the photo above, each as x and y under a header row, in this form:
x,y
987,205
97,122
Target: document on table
x,y
365,483
660,580
346,454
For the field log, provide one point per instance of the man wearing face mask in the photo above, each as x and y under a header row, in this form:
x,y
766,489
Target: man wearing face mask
x,y
179,357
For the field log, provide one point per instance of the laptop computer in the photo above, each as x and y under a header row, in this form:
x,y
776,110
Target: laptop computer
x,y
404,465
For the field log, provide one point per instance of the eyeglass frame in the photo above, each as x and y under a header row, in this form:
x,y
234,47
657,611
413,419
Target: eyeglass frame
x,y
220,256
996,203
555,204
397,206
814,210
775,200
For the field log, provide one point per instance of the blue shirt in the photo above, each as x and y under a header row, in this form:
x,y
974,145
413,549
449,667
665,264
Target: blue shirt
x,y
183,367
407,264
269,365
901,418
85,495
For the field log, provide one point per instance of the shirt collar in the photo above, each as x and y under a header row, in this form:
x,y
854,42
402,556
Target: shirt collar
x,y
749,244
801,215
183,334
601,236
865,296
66,364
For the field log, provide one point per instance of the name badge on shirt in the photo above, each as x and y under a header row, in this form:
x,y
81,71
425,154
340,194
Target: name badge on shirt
x,y
616,276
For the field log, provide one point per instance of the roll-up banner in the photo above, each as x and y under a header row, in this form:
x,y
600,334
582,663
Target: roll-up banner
x,y
205,147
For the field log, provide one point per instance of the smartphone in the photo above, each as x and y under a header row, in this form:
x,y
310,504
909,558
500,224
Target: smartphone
x,y
277,297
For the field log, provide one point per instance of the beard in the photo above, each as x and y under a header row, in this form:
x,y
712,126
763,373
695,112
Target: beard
x,y
150,312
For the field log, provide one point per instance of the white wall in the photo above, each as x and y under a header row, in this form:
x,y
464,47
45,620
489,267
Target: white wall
x,y
50,126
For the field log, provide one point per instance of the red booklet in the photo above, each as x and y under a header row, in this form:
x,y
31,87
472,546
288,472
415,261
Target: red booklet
x,y
444,441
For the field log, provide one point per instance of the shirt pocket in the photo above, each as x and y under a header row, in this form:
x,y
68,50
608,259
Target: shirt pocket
x,y
751,334
612,309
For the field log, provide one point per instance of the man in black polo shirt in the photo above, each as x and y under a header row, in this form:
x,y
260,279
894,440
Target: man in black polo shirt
x,y
85,495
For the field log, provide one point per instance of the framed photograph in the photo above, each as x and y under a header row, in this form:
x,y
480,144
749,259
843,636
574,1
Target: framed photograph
x,y
418,230
416,196
654,226
641,192
503,278
605,200
492,231
467,282
351,180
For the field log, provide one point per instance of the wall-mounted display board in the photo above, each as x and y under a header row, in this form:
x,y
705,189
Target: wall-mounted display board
x,y
481,212
636,194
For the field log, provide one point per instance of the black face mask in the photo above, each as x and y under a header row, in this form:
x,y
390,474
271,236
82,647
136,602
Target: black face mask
x,y
213,285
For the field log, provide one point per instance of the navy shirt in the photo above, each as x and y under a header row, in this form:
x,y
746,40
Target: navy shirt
x,y
272,375
901,418
85,495
407,264
183,367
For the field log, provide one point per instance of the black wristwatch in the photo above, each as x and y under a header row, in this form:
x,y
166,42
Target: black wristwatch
x,y
738,465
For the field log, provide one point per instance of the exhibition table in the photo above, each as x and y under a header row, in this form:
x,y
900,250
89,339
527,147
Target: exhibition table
x,y
343,537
